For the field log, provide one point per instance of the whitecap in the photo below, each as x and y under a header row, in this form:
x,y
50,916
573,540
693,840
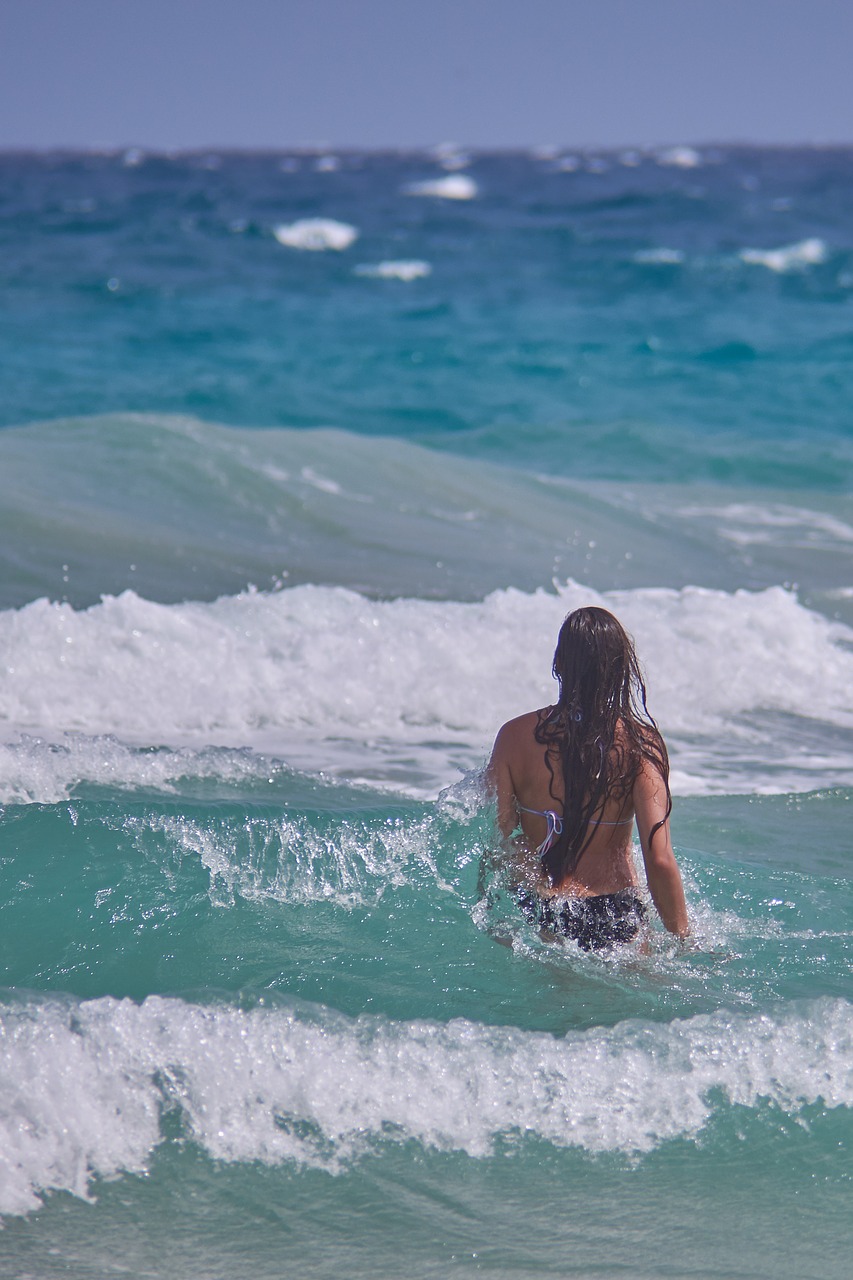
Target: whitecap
x,y
393,269
450,157
252,670
87,1082
679,158
454,186
792,257
316,234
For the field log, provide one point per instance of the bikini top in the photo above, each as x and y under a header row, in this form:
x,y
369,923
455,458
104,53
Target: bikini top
x,y
555,825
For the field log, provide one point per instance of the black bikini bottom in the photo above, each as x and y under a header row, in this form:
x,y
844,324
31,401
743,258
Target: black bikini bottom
x,y
591,922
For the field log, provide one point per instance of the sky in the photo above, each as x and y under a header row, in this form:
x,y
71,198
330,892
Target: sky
x,y
191,74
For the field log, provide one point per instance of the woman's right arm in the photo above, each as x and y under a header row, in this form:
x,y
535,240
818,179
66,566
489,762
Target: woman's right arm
x,y
499,779
662,874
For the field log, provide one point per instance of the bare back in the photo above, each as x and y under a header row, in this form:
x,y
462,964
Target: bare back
x,y
519,775
523,781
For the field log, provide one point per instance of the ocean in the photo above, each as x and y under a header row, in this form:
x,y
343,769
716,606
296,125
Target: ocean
x,y
304,457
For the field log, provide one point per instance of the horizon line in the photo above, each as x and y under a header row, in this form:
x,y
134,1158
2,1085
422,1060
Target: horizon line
x,y
433,149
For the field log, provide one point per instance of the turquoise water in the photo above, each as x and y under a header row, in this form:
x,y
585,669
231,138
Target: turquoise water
x,y
290,518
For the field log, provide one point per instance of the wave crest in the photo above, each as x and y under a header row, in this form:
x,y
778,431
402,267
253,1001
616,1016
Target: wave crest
x,y
88,1084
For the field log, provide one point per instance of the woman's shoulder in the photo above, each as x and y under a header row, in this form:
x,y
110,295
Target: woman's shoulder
x,y
520,731
523,725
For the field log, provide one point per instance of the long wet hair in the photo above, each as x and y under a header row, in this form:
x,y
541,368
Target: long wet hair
x,y
598,734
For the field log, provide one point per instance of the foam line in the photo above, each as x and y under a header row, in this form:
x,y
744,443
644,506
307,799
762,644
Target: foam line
x,y
86,1084
322,666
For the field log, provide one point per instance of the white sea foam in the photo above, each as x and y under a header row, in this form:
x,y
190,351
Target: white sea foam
x,y
33,770
86,1084
680,157
747,523
318,481
450,156
395,269
412,690
454,186
713,656
288,860
792,257
316,234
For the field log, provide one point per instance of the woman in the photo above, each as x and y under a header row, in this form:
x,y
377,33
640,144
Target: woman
x,y
575,777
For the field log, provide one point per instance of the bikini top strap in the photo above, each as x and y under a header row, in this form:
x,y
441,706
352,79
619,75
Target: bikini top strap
x,y
555,827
